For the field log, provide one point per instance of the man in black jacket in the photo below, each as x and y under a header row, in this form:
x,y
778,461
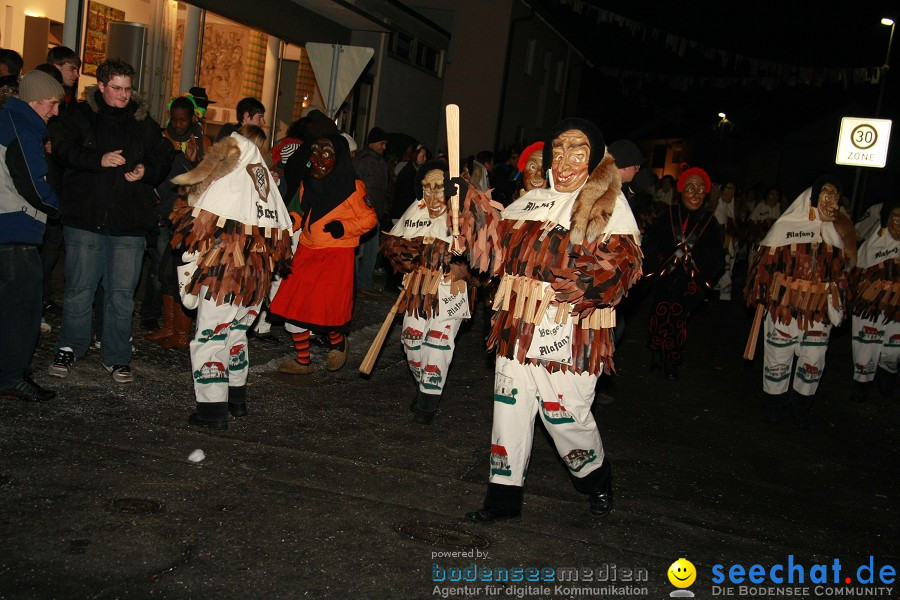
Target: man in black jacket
x,y
114,156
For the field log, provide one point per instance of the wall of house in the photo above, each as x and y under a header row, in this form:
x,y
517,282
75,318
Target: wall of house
x,y
474,74
538,82
406,99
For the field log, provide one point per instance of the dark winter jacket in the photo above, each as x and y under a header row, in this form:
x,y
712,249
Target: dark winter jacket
x,y
100,199
26,199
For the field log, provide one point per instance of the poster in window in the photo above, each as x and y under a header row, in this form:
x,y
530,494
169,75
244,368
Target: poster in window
x,y
98,16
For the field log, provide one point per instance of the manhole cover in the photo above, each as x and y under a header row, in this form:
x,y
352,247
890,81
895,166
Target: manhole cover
x,y
442,535
136,505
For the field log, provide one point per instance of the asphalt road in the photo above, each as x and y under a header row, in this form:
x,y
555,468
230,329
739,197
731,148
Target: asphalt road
x,y
327,490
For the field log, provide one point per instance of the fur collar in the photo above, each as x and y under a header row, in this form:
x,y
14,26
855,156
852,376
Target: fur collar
x,y
221,159
844,227
141,108
596,201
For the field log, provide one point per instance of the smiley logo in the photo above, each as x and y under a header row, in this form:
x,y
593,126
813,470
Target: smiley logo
x,y
682,573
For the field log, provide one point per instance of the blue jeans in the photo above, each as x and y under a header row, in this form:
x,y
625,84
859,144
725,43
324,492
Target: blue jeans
x,y
21,276
90,258
365,262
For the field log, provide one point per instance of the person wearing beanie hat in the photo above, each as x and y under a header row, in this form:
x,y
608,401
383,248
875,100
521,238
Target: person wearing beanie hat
x,y
567,256
376,135
875,309
799,276
371,167
683,257
26,200
36,86
351,143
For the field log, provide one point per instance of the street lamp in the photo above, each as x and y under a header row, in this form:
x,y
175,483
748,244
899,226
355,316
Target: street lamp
x,y
887,65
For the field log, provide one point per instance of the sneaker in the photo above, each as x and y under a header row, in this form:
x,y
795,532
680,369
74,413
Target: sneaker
x,y
95,344
62,364
120,373
45,327
29,391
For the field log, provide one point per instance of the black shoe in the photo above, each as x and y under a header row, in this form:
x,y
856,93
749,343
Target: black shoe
x,y
490,514
670,371
423,418
885,382
217,424
27,390
237,410
237,400
264,337
602,500
150,324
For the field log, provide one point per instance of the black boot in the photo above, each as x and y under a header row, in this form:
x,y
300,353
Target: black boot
x,y
426,407
670,371
655,360
800,407
774,406
598,486
886,383
237,400
860,391
212,415
501,503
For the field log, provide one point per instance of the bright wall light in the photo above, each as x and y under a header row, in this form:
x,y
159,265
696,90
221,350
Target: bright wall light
x,y
721,115
886,21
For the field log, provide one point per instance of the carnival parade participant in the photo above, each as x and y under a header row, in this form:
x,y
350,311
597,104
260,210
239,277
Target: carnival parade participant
x,y
726,216
799,276
531,168
436,297
318,294
569,255
876,307
683,254
235,231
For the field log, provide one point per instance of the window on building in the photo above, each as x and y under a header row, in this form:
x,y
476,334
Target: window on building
x,y
402,45
560,76
428,58
529,57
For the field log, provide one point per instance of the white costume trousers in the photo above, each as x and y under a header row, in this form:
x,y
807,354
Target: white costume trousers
x,y
219,353
876,344
563,401
429,346
783,343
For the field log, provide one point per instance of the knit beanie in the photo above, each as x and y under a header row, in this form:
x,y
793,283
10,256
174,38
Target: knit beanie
x,y
37,85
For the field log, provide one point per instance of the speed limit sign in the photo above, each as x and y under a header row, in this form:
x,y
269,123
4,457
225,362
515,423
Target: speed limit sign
x,y
863,142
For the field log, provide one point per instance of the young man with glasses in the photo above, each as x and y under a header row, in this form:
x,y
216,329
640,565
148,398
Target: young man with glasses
x,y
114,156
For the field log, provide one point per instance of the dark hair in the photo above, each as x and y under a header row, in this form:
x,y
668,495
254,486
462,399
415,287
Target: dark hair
x,y
435,164
182,102
61,55
50,70
114,67
485,156
296,128
251,106
12,60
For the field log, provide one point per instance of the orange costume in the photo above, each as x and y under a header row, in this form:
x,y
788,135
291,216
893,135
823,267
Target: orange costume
x,y
318,294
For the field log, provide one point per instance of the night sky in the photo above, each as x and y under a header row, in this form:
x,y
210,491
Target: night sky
x,y
639,85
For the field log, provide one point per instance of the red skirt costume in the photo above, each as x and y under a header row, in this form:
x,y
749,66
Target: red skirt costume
x,y
318,294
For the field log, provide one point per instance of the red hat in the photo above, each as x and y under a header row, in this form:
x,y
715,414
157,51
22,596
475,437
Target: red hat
x,y
528,151
693,171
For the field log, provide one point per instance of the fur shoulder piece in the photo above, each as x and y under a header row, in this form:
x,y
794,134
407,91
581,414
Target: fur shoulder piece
x,y
596,201
844,227
221,159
